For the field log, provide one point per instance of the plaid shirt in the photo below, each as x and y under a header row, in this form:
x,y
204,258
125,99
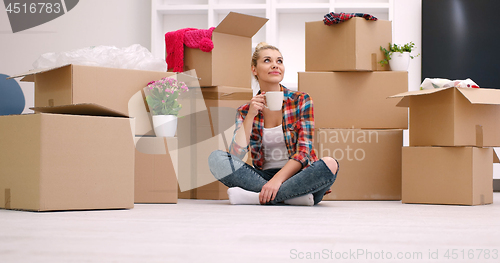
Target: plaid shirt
x,y
298,130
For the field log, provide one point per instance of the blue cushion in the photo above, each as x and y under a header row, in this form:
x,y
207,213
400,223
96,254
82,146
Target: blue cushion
x,y
11,96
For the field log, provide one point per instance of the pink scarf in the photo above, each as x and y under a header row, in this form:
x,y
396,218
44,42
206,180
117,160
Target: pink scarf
x,y
191,37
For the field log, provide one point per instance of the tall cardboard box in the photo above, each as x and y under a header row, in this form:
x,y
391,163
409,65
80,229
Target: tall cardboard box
x,y
228,64
369,161
453,117
155,174
112,88
209,130
66,162
356,99
353,45
448,175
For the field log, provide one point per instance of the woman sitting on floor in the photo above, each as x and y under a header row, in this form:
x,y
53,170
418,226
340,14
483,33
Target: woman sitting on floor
x,y
285,166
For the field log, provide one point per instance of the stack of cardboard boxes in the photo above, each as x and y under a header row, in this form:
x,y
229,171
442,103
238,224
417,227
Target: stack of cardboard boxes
x,y
450,159
91,144
355,123
225,84
77,152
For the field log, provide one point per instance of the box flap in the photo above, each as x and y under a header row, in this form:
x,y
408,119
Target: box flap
x,y
475,96
240,24
417,92
405,101
30,75
481,96
495,157
91,109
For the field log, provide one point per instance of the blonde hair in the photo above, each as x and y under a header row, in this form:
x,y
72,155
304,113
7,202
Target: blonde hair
x,y
256,54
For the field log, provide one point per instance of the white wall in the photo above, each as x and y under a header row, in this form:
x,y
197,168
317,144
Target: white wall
x,y
119,23
407,27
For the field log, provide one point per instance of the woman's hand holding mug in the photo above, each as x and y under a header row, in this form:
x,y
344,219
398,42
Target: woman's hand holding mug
x,y
257,103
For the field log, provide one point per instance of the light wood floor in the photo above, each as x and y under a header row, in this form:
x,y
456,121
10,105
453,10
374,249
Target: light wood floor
x,y
214,231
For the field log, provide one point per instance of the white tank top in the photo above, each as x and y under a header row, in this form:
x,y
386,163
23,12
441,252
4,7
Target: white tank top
x,y
275,151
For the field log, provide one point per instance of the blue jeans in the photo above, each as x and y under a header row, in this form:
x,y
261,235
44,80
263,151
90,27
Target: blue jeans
x,y
233,172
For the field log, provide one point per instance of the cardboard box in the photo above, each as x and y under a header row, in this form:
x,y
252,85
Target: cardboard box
x,y
206,131
353,45
211,191
228,64
66,162
448,175
369,161
356,99
453,117
113,88
155,175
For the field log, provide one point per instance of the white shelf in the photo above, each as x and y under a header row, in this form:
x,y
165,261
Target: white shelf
x,y
181,9
235,7
302,8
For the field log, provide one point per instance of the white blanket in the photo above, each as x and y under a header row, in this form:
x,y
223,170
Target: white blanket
x,y
446,83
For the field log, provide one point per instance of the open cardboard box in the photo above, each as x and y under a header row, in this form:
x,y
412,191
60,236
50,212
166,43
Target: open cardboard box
x,y
356,99
453,116
353,45
66,162
369,161
228,64
113,88
448,175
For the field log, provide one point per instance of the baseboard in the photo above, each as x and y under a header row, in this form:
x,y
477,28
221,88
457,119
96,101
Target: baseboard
x,y
496,185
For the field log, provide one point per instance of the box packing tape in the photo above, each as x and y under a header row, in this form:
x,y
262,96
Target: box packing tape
x,y
479,136
7,198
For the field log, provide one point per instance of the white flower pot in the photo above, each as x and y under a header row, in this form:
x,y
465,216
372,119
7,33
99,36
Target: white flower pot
x,y
399,61
165,125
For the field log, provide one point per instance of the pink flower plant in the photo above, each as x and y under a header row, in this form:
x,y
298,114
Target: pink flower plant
x,y
161,96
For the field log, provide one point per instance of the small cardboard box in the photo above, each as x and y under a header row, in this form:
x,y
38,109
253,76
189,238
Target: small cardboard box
x,y
155,174
356,99
369,161
66,162
453,117
353,45
209,130
228,64
110,87
448,175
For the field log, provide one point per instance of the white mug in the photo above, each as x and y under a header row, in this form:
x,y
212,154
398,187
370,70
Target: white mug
x,y
274,100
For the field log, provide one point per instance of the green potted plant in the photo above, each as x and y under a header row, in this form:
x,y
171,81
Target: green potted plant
x,y
161,96
398,56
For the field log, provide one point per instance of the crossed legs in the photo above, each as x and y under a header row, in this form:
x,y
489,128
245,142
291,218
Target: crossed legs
x,y
233,172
